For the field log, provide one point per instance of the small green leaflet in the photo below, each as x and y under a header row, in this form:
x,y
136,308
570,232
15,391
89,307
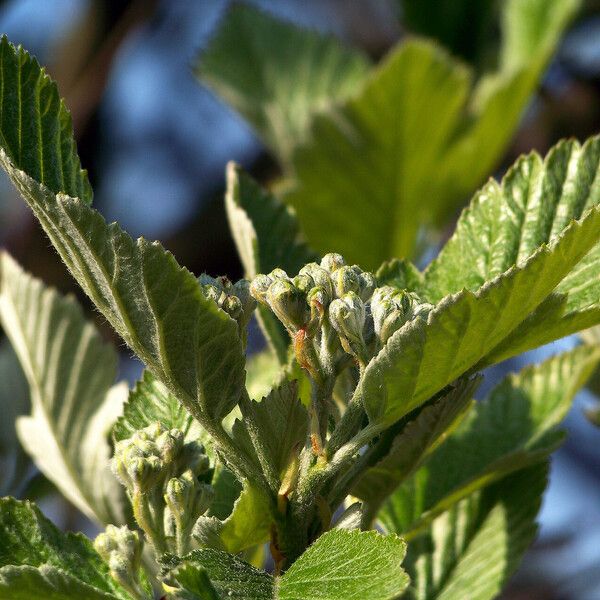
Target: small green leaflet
x,y
263,373
347,565
340,565
38,562
278,75
14,400
514,427
150,402
267,236
153,303
472,549
273,430
248,524
70,371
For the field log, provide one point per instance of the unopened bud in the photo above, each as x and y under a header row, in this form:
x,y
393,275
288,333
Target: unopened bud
x,y
289,304
332,262
392,308
121,549
259,287
320,277
348,315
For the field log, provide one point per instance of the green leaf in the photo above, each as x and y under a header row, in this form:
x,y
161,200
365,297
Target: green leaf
x,y
266,235
263,373
274,430
472,549
14,400
277,75
506,222
68,564
401,274
412,445
186,341
378,168
150,402
347,565
229,576
70,371
424,356
248,524
46,583
354,156
513,428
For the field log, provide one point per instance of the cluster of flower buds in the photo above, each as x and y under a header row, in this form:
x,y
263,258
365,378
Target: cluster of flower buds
x,y
233,298
168,481
121,549
333,296
391,308
303,303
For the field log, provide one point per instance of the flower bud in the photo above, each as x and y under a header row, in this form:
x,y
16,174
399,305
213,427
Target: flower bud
x,y
347,315
332,262
347,279
121,549
320,278
392,308
289,304
187,498
259,287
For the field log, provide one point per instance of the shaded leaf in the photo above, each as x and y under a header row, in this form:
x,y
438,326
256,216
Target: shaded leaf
x,y
411,446
68,563
229,576
513,428
150,402
14,401
472,549
278,75
273,430
267,236
70,371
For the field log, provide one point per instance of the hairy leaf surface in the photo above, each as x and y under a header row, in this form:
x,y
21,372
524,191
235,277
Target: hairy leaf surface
x,y
155,305
273,430
70,371
348,565
465,327
229,577
150,402
37,559
507,222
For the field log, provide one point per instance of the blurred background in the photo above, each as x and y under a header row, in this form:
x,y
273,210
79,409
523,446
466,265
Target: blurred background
x,y
156,142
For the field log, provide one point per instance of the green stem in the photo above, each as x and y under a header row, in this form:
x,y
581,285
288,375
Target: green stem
x,y
144,518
